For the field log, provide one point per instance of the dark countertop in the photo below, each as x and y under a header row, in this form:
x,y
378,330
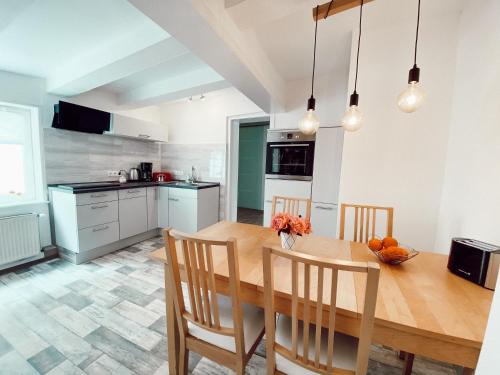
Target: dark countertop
x,y
92,187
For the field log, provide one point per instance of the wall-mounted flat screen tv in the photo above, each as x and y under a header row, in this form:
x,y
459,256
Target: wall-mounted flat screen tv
x,y
81,119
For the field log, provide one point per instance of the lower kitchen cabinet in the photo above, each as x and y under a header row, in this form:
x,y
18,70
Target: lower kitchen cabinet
x,y
152,200
133,216
163,206
324,219
190,210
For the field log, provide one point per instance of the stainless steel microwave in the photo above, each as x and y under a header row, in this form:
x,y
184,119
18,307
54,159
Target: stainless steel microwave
x,y
289,155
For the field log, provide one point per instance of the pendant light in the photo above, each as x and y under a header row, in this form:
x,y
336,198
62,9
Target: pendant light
x,y
353,118
411,98
309,124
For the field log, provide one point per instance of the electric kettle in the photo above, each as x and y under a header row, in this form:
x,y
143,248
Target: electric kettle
x,y
134,174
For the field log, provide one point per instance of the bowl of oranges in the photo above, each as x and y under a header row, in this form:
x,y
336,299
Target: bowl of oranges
x,y
390,251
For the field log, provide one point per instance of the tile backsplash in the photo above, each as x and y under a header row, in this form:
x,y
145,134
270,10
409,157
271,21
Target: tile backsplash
x,y
81,157
208,159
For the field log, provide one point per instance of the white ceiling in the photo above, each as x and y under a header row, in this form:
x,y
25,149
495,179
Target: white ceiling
x,y
285,29
79,45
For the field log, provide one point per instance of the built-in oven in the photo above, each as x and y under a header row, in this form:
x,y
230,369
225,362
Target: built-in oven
x,y
289,155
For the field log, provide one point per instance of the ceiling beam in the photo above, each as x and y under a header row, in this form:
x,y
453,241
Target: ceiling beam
x,y
336,7
207,29
188,84
93,71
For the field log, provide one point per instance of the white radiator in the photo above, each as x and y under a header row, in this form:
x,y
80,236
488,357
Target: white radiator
x,y
19,237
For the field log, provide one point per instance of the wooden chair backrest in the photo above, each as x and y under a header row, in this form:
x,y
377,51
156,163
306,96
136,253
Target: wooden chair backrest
x,y
292,206
199,270
365,221
323,265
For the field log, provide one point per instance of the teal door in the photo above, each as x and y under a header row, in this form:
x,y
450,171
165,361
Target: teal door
x,y
251,167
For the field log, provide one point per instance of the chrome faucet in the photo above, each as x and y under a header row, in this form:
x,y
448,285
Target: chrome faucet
x,y
192,178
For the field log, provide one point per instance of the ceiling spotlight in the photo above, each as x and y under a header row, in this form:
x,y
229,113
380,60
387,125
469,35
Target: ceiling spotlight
x,y
202,97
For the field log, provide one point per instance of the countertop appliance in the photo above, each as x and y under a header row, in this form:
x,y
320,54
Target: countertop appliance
x,y
475,261
289,155
146,171
134,174
162,176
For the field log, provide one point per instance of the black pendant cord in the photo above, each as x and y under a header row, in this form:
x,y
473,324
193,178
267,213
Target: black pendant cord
x,y
314,53
327,11
359,43
416,37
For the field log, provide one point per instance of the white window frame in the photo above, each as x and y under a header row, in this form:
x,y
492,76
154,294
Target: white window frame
x,y
37,188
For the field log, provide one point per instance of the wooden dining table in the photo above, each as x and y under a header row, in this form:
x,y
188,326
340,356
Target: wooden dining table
x,y
422,308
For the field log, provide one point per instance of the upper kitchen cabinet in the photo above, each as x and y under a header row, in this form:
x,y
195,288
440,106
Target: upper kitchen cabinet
x,y
327,164
131,127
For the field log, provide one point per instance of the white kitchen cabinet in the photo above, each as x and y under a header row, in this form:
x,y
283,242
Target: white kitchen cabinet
x,y
327,164
163,206
182,213
133,216
191,210
152,201
287,188
324,219
132,127
95,214
100,235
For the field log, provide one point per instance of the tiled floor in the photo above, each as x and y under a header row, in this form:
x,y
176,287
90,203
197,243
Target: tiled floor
x,y
250,216
108,317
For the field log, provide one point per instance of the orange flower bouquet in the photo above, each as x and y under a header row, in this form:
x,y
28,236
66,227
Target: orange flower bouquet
x,y
289,227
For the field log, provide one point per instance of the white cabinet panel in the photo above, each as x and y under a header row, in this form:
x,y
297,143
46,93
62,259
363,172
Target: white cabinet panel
x,y
100,235
324,219
182,213
132,193
133,216
163,206
97,213
97,197
286,188
327,164
132,127
152,200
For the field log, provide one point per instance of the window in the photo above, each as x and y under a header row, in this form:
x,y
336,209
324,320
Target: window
x,y
17,165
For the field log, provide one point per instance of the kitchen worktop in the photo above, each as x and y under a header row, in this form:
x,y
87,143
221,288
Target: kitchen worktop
x,y
91,187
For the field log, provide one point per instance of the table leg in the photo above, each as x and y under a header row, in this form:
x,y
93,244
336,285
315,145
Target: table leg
x,y
409,357
468,371
172,330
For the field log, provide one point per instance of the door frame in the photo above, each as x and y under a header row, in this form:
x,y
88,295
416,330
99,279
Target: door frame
x,y
232,150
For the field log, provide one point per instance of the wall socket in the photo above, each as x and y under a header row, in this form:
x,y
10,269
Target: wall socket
x,y
113,173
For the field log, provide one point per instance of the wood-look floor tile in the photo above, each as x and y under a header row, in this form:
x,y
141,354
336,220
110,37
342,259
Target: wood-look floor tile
x,y
136,313
73,320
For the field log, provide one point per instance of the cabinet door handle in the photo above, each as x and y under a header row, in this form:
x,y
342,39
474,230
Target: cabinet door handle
x,y
96,207
133,191
98,195
324,208
173,199
100,229
268,201
144,136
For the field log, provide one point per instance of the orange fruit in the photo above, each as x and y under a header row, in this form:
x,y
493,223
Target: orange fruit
x,y
389,241
393,253
375,244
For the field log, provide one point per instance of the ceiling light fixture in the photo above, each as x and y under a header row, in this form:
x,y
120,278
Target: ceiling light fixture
x,y
190,99
309,124
412,98
202,97
353,118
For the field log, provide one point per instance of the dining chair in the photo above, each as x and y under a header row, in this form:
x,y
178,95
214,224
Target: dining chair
x,y
365,221
220,328
292,206
299,344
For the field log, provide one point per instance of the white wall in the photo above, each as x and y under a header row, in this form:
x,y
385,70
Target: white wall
x,y
397,159
330,92
204,121
471,194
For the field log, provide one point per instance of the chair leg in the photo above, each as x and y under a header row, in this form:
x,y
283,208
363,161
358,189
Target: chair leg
x,y
240,368
409,357
183,358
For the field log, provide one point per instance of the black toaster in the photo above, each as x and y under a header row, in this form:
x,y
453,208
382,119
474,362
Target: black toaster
x,y
475,261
